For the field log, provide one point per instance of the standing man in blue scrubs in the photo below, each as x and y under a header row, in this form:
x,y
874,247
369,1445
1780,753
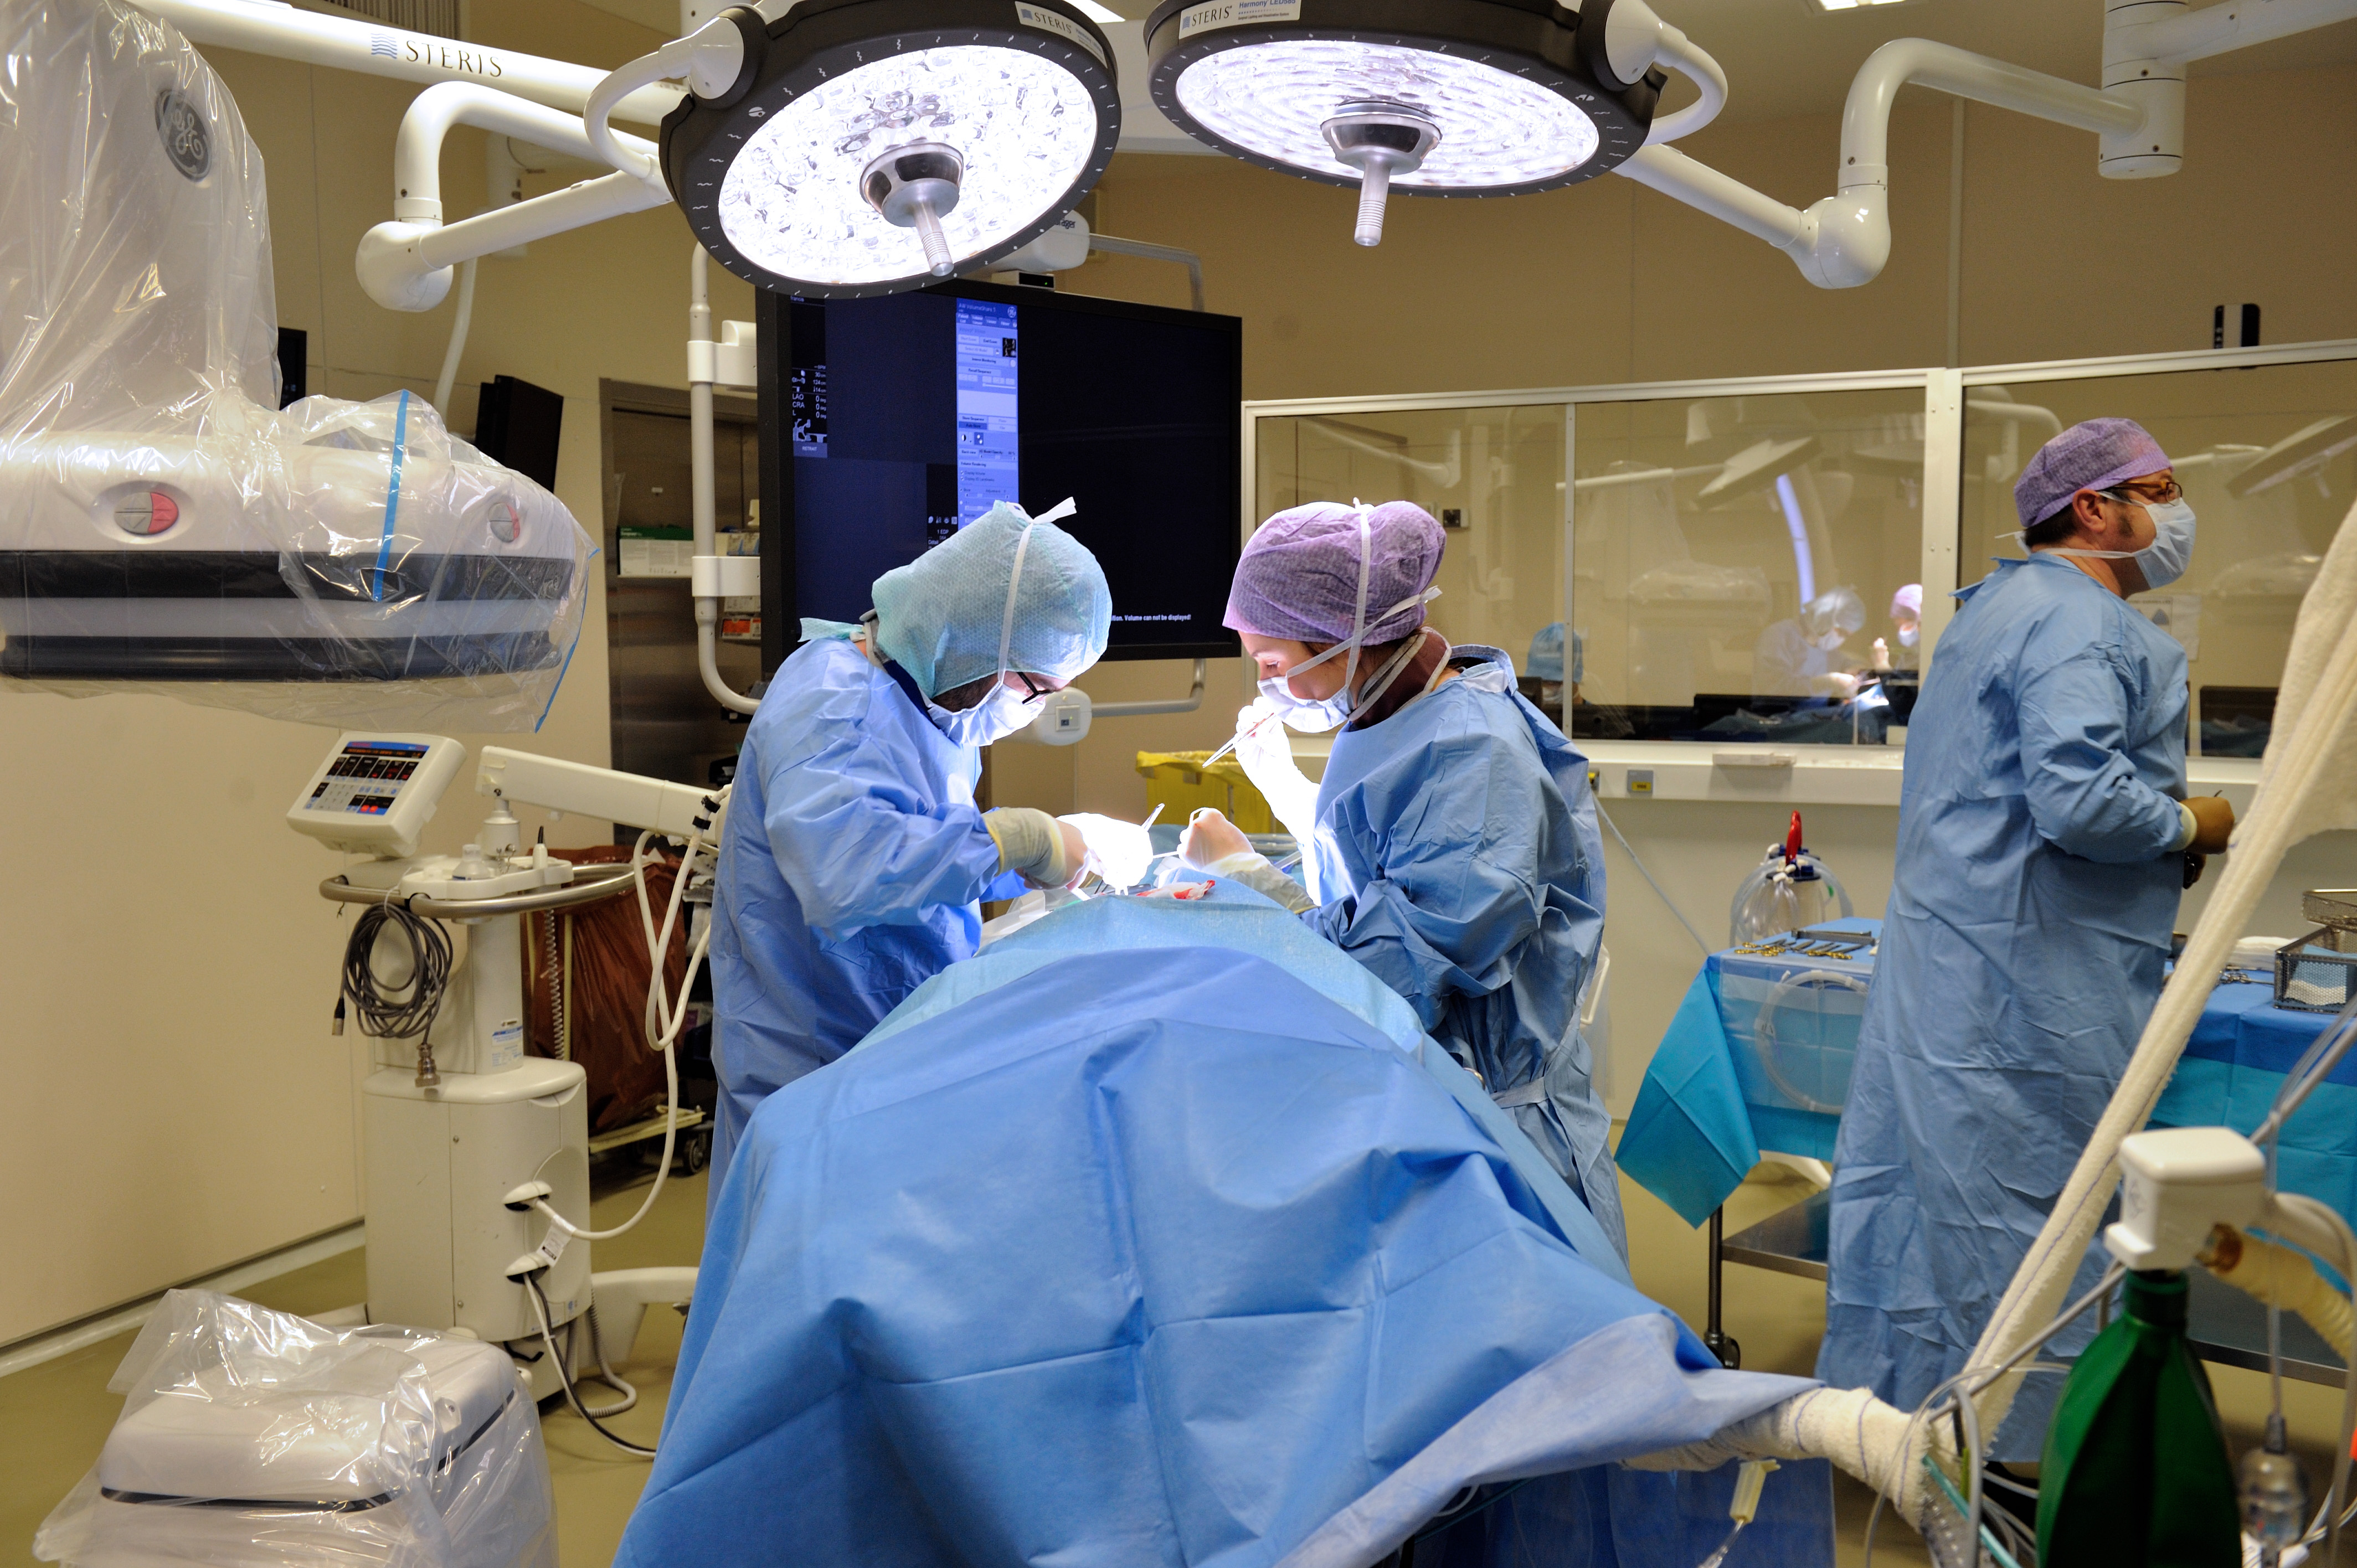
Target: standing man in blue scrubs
x,y
1452,844
2043,842
854,854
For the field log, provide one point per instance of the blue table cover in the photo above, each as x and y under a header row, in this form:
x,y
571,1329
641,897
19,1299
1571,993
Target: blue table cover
x,y
1718,1091
2232,1068
1715,1095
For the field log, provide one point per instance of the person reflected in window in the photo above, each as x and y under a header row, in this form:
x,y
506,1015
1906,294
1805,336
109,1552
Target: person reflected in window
x,y
1802,657
1907,627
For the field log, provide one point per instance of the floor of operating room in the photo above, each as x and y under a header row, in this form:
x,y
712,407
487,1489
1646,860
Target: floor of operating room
x,y
55,1417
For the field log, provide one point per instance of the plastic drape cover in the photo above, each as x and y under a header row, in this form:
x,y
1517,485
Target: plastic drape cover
x,y
255,1439
162,524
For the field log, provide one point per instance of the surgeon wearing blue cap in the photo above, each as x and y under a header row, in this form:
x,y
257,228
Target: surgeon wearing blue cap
x,y
855,855
1452,844
2044,840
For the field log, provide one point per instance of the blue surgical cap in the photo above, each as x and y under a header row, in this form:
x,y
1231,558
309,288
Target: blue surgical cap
x,y
940,616
2094,454
1545,663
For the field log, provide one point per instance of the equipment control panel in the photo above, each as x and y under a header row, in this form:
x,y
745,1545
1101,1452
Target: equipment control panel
x,y
375,793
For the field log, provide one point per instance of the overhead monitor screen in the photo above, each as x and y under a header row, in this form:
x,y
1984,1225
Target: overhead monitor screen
x,y
907,417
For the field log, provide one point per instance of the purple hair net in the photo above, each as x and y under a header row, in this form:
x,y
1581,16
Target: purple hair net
x,y
2094,454
1298,578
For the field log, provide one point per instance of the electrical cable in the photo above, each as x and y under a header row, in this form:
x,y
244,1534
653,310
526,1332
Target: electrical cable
x,y
564,1378
1606,819
380,1011
663,1023
605,1374
1969,1415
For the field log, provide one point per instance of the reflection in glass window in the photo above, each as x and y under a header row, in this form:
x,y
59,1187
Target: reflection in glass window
x,y
1494,478
2267,456
1746,568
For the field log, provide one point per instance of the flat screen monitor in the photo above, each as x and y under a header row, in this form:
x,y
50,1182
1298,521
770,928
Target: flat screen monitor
x,y
889,423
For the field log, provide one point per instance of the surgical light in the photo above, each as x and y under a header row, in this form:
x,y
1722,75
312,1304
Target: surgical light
x,y
867,146
1430,97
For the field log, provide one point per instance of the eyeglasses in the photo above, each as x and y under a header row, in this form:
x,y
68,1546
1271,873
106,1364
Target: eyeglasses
x,y
1033,692
2167,490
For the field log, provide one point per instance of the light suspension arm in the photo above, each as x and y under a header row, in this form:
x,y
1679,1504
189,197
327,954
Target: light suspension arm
x,y
1845,240
406,265
373,48
711,571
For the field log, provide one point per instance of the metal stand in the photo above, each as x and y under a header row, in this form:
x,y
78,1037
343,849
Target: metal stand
x,y
1714,1337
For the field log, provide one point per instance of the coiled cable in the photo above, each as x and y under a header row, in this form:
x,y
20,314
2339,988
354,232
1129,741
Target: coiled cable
x,y
404,1011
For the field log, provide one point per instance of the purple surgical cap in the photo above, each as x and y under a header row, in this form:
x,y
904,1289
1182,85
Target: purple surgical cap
x,y
1907,603
2091,455
1298,578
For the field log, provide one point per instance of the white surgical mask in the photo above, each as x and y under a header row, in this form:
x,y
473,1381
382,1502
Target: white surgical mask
x,y
1910,635
2164,560
1314,714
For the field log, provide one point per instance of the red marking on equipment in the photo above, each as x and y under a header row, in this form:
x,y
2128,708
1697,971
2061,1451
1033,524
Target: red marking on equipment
x,y
163,510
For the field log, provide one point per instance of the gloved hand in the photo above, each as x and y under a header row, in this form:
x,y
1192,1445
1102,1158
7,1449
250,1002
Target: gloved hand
x,y
1120,850
1036,846
1210,837
2214,823
1215,844
1265,754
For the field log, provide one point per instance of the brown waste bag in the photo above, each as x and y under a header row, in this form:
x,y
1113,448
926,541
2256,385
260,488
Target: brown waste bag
x,y
604,1019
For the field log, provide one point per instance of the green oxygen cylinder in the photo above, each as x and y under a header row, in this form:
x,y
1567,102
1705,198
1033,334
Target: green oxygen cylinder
x,y
2136,1468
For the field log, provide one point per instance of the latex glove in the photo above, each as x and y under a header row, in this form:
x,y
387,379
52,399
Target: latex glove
x,y
2214,823
1215,844
1265,754
1881,654
1120,850
1210,837
1037,847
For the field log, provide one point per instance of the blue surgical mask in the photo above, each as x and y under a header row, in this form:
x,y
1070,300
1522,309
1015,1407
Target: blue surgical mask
x,y
2164,560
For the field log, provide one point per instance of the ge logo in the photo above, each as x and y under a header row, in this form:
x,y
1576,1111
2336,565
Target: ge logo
x,y
185,141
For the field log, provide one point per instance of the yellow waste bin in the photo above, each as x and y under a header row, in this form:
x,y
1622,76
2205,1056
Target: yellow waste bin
x,y
1179,783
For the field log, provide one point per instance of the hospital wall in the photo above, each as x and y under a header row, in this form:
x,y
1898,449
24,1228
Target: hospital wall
x,y
181,1105
166,994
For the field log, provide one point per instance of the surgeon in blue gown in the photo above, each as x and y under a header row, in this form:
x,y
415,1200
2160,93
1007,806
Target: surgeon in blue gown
x,y
1452,844
854,854
2043,843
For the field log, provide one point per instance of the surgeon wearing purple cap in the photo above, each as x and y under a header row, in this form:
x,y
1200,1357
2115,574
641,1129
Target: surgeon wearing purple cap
x,y
1451,847
2044,841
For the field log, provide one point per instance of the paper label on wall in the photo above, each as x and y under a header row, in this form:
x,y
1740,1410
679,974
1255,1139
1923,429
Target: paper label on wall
x,y
507,1045
1064,26
656,551
2179,614
1235,14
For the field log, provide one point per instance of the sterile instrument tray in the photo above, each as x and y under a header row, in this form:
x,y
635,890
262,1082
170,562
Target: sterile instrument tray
x,y
2335,910
2317,973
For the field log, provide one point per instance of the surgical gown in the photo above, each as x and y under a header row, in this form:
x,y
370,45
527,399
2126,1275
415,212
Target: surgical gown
x,y
2030,918
1458,858
849,871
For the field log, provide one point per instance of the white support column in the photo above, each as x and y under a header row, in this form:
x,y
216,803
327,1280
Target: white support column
x,y
1943,496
